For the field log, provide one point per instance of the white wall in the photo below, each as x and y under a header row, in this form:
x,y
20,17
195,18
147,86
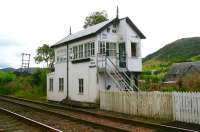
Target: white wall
x,y
82,70
60,72
134,64
127,35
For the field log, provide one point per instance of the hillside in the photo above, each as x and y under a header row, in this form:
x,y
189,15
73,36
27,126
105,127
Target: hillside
x,y
185,49
10,69
156,65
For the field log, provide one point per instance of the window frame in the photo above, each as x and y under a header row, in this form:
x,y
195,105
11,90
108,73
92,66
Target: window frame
x,y
81,85
51,84
92,48
75,52
61,84
80,51
102,47
111,48
133,54
61,55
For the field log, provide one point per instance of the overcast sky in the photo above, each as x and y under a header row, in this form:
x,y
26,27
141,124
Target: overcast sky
x,y
27,24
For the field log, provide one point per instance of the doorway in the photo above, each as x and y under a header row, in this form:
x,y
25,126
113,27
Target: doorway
x,y
122,55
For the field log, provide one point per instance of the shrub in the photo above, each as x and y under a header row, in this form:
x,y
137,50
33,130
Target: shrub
x,y
39,79
23,85
169,89
191,82
6,77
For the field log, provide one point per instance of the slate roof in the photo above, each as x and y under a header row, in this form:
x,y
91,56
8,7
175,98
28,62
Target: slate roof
x,y
181,68
93,30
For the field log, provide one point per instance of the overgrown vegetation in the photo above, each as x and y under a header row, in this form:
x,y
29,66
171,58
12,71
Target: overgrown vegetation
x,y
32,86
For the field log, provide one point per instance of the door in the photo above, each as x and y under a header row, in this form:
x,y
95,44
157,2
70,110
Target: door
x,y
122,55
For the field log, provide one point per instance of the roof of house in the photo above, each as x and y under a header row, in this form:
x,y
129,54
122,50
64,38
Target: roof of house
x,y
181,68
93,30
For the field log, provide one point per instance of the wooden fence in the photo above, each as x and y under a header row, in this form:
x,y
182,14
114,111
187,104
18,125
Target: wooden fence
x,y
163,105
186,107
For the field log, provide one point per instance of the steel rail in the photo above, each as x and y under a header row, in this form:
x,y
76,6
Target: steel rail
x,y
72,118
29,121
113,118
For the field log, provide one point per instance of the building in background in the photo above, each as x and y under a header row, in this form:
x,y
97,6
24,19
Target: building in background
x,y
181,70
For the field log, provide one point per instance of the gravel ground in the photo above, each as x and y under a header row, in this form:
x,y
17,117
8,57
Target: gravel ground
x,y
67,125
8,124
51,120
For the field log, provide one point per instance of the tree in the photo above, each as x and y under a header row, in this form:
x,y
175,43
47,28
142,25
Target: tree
x,y
95,18
45,54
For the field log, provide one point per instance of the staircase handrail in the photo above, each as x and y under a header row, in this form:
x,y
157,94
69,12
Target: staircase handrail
x,y
121,71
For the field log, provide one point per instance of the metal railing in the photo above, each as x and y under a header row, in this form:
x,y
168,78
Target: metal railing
x,y
120,78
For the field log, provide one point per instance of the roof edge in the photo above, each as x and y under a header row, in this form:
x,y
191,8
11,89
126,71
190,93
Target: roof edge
x,y
128,20
134,27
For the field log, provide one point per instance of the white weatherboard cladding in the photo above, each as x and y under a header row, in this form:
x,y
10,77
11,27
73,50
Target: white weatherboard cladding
x,y
82,70
89,75
127,35
133,63
61,72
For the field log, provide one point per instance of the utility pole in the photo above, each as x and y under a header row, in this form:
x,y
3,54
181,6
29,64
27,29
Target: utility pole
x,y
25,62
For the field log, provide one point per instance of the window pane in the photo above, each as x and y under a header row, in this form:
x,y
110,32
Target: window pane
x,y
50,84
80,85
92,49
80,50
86,50
110,49
61,84
133,49
75,52
102,47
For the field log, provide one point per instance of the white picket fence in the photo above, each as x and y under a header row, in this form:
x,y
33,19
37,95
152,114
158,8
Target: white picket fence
x,y
163,105
186,107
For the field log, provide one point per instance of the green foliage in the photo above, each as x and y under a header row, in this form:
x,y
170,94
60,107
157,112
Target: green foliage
x,y
95,18
39,78
45,54
169,89
6,77
195,58
7,91
29,85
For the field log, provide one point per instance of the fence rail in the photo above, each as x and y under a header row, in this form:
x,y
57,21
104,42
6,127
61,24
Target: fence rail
x,y
161,105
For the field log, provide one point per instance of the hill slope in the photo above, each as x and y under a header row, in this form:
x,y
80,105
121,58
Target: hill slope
x,y
185,49
10,69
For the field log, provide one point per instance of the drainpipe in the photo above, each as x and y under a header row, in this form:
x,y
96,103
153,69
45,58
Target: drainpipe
x,y
70,32
67,72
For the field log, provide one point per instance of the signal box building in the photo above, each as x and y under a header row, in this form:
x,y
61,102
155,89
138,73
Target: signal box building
x,y
106,56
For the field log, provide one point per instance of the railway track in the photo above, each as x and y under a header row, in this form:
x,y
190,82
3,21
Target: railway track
x,y
10,121
104,122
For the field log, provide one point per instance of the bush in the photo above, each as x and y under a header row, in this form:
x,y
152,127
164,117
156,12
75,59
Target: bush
x,y
24,85
169,89
6,77
191,82
39,79
7,91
